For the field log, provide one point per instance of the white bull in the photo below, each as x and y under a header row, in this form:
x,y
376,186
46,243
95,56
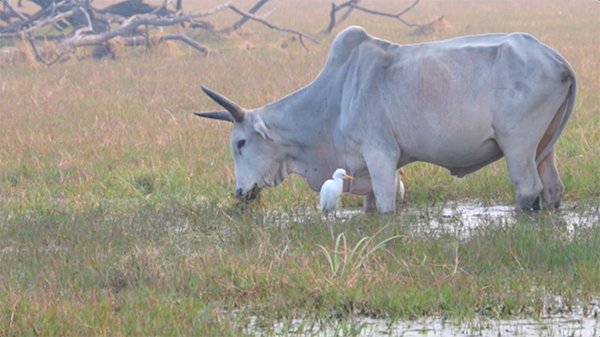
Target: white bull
x,y
377,106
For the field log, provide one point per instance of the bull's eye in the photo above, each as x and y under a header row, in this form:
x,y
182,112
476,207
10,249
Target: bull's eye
x,y
241,144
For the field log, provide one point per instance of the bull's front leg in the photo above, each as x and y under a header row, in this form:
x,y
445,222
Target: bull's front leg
x,y
382,170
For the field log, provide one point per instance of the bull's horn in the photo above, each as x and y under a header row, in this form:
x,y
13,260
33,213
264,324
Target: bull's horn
x,y
236,112
220,115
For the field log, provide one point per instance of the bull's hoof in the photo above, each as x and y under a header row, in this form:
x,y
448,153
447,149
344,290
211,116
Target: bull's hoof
x,y
536,204
529,204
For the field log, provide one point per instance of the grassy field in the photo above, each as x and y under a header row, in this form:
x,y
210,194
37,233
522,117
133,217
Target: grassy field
x,y
117,215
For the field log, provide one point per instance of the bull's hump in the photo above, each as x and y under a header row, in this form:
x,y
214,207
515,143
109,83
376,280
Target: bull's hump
x,y
346,41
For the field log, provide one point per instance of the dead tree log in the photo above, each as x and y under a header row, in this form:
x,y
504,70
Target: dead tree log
x,y
130,8
84,14
134,21
74,24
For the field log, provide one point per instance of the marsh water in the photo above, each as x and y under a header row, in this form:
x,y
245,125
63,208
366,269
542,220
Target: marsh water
x,y
573,325
462,219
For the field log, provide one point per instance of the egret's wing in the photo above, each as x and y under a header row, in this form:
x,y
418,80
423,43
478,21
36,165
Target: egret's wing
x,y
326,196
329,196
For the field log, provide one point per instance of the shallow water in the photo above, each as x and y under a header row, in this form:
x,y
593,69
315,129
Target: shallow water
x,y
573,325
461,218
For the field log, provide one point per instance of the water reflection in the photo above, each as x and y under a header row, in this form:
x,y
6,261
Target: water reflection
x,y
461,218
572,325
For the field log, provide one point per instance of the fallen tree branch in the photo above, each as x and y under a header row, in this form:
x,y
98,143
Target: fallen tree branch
x,y
212,11
87,18
388,15
13,11
351,5
38,54
134,23
245,19
5,16
333,13
80,38
49,20
435,26
84,35
408,8
300,35
36,51
44,14
347,13
185,39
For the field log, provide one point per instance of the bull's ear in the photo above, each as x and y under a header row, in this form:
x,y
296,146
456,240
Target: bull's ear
x,y
237,113
261,128
220,115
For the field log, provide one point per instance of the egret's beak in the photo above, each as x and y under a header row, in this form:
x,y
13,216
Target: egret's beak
x,y
348,177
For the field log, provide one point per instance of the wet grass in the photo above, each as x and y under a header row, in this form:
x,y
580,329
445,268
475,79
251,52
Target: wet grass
x,y
169,271
116,214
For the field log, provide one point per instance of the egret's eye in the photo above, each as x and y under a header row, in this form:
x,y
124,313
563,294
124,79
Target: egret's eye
x,y
241,144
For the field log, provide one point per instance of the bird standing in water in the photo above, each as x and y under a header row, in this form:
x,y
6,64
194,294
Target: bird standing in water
x,y
332,190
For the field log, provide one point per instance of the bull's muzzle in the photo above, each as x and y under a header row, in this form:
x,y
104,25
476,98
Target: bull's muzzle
x,y
252,194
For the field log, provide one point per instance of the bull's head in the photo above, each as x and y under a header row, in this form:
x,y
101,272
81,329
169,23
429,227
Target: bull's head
x,y
257,158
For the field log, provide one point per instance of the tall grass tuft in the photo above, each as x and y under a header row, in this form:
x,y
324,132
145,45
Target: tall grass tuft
x,y
347,260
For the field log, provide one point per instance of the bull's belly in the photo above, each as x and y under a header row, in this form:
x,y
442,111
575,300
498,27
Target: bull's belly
x,y
361,186
462,159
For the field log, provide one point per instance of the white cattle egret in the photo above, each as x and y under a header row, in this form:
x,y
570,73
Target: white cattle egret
x,y
332,190
400,185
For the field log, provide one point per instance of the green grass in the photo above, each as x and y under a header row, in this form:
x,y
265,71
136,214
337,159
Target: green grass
x,y
117,216
167,271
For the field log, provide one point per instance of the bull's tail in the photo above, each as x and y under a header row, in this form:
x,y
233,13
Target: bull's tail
x,y
559,121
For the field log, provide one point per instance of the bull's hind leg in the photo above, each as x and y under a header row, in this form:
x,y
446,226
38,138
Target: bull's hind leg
x,y
553,186
523,172
369,203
